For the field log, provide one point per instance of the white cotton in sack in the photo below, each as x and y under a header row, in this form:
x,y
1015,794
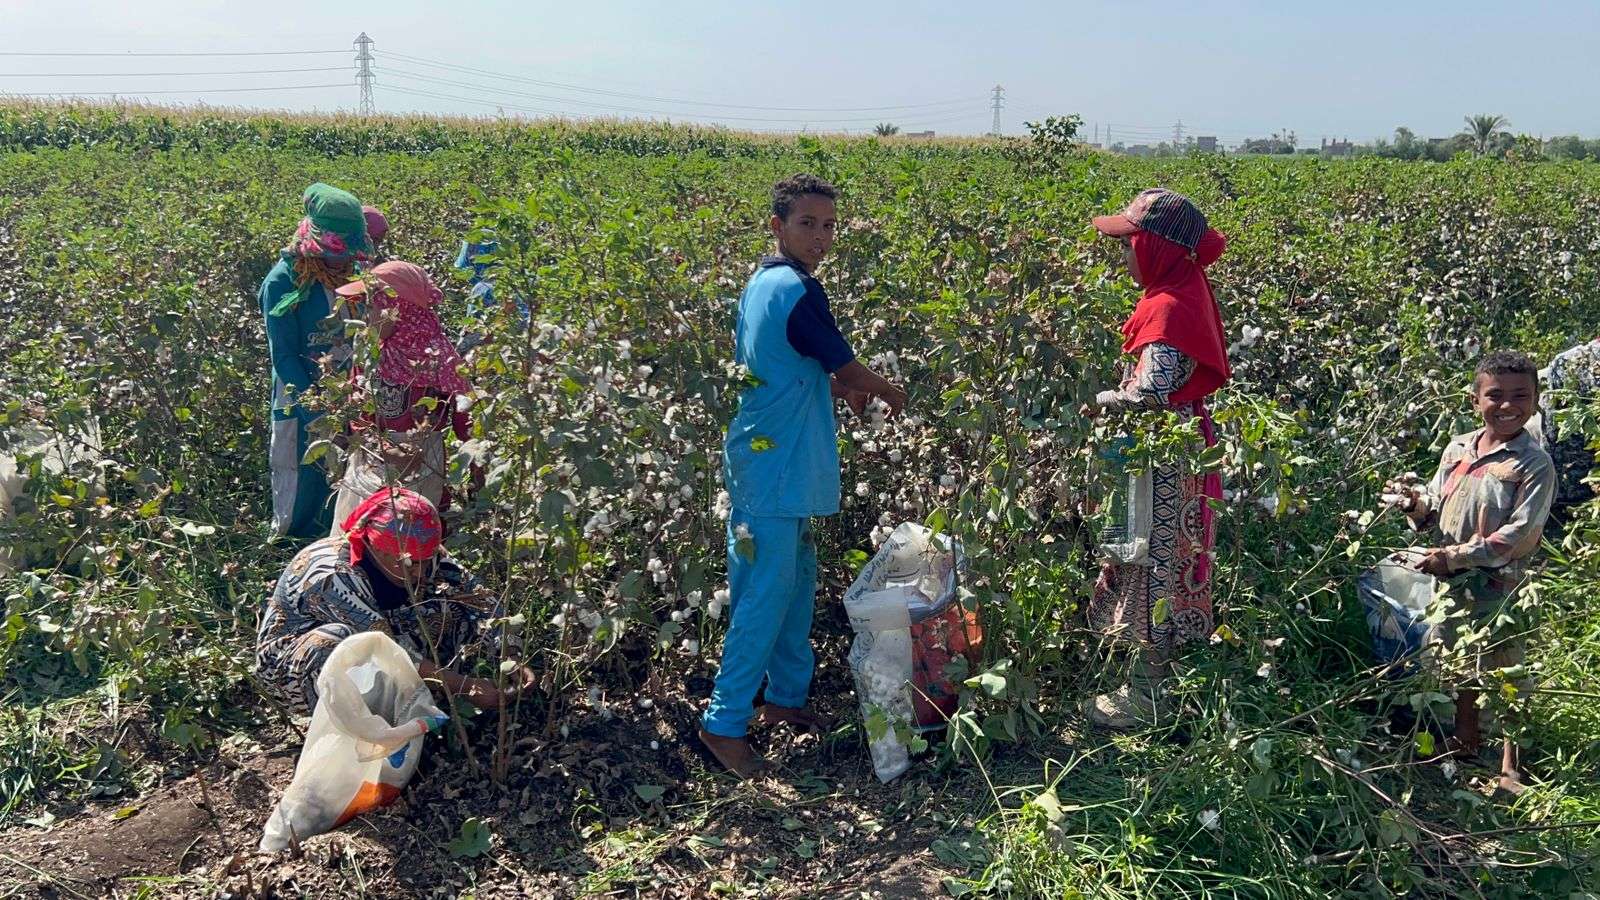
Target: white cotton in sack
x,y
364,741
907,580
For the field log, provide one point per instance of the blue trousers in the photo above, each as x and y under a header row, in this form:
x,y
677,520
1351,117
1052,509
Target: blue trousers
x,y
769,631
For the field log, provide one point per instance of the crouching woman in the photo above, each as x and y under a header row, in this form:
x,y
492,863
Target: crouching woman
x,y
386,573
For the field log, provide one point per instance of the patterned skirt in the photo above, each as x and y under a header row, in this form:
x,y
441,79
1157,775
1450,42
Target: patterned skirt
x,y
1155,585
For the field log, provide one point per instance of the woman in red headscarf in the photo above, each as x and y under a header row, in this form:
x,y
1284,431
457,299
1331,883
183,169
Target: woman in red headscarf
x,y
1155,582
386,573
416,390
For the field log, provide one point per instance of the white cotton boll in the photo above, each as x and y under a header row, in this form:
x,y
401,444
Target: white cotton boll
x,y
646,703
741,531
1269,503
558,620
624,349
643,372
694,599
594,693
678,615
590,619
896,455
659,577
948,481
691,646
714,610
686,491
1448,770
863,489
1209,819
724,505
650,527
1265,671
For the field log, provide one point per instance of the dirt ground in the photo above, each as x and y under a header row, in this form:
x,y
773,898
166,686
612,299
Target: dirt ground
x,y
567,821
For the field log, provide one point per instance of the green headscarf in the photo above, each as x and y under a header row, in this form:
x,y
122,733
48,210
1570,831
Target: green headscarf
x,y
334,229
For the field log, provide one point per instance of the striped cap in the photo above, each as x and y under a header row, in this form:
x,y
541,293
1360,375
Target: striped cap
x,y
1158,211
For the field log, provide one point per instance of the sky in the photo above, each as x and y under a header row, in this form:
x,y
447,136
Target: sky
x,y
1230,68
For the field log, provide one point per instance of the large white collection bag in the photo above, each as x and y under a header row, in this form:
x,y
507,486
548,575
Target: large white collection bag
x,y
364,741
913,578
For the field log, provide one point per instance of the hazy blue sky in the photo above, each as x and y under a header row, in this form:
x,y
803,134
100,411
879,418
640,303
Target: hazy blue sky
x,y
1234,69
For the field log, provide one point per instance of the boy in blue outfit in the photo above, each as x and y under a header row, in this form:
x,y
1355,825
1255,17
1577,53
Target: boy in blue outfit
x,y
781,465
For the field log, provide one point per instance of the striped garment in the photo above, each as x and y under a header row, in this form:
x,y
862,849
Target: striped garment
x,y
321,599
1491,509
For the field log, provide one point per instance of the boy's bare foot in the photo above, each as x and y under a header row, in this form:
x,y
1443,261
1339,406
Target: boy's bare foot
x,y
1510,783
735,754
799,716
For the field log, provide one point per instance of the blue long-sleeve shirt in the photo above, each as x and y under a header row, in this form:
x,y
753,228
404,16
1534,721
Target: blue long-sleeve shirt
x,y
295,339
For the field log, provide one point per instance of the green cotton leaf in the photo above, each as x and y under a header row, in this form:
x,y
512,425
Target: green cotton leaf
x,y
1049,804
1158,616
1261,752
1353,549
472,841
649,793
990,682
1425,743
877,724
746,549
761,443
855,559
316,451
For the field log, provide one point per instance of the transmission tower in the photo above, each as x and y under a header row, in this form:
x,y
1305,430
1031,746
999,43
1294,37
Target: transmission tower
x,y
1177,134
364,72
999,102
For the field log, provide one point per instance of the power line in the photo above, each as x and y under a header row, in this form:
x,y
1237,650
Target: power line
x,y
404,73
166,74
559,114
285,87
473,70
170,53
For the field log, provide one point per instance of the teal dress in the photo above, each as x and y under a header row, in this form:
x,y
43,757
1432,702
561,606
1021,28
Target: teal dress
x,y
300,493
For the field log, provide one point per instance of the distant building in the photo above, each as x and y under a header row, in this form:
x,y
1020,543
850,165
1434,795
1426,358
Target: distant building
x,y
919,134
1338,148
1206,144
1141,150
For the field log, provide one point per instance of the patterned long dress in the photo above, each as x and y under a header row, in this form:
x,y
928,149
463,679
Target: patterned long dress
x,y
321,599
1155,584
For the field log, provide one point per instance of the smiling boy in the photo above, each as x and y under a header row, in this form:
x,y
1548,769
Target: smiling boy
x,y
781,466
1489,501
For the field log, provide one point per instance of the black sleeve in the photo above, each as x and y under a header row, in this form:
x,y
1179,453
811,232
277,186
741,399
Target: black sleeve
x,y
813,332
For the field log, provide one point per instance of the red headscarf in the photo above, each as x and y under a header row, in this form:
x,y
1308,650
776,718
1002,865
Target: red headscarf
x,y
396,521
1178,308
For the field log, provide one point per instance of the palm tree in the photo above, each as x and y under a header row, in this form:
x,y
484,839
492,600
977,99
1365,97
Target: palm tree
x,y
885,129
1482,130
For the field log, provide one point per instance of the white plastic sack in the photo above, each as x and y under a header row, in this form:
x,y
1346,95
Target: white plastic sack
x,y
364,741
911,577
59,452
1395,596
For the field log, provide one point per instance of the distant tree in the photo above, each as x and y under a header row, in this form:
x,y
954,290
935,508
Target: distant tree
x,y
1406,145
885,129
1567,146
1445,149
1484,132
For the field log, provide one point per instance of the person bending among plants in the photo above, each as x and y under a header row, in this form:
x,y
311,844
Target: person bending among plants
x,y
296,297
1488,501
416,390
386,573
1154,587
781,466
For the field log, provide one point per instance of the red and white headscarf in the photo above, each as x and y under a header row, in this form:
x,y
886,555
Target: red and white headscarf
x,y
397,521
417,352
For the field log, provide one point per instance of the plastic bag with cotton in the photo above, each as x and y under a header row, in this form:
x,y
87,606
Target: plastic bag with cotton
x,y
364,741
1396,597
909,626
